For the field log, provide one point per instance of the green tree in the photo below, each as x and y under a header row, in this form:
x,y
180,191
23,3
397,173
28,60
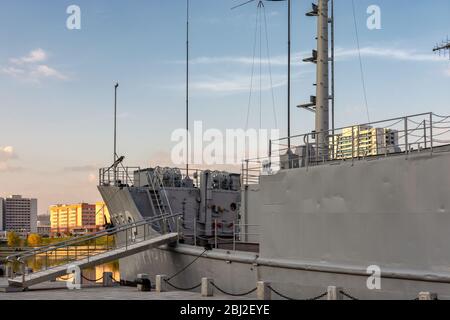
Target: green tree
x,y
13,239
34,240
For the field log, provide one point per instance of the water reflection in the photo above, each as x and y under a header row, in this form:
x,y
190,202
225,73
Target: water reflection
x,y
66,256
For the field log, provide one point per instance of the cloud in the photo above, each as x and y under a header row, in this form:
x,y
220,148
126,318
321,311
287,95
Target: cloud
x,y
47,72
279,60
13,71
6,155
92,178
241,83
35,56
86,168
447,72
31,68
341,54
389,53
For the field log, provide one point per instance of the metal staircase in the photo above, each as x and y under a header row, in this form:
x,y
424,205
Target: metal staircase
x,y
159,200
58,260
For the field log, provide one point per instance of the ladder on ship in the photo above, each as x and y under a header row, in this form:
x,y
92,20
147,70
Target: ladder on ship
x,y
159,201
60,259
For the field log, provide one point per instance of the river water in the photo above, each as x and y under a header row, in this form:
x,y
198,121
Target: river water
x,y
60,257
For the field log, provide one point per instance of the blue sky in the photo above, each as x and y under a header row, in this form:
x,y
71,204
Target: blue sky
x,y
56,85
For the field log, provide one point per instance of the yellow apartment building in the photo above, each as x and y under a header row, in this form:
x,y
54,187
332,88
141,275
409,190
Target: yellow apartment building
x,y
72,219
363,141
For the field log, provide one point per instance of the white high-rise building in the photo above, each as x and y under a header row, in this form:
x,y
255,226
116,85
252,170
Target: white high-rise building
x,y
20,215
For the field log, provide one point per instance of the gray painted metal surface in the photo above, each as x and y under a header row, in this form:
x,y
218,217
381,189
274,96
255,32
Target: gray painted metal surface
x,y
323,226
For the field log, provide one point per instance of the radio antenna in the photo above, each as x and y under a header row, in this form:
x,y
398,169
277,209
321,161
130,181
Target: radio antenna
x,y
289,64
444,48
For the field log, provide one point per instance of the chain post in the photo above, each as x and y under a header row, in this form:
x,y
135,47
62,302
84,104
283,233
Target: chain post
x,y
215,233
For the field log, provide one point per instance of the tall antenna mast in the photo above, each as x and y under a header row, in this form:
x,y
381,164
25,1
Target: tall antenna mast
x,y
187,87
319,103
289,76
444,47
116,86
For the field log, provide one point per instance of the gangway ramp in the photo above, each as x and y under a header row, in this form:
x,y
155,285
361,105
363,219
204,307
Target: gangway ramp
x,y
89,256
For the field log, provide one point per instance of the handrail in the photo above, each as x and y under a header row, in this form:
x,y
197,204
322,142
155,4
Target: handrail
x,y
360,125
401,136
85,238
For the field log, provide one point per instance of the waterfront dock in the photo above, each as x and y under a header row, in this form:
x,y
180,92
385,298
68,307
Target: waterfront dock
x,y
59,291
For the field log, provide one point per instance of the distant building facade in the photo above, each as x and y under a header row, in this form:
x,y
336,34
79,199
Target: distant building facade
x,y
73,219
364,141
43,225
44,230
20,215
2,209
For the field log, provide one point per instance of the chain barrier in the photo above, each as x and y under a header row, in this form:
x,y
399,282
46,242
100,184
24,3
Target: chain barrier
x,y
90,280
114,280
183,289
233,294
280,294
323,295
345,294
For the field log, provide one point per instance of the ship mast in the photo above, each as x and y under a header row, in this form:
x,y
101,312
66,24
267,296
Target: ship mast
x,y
322,84
319,103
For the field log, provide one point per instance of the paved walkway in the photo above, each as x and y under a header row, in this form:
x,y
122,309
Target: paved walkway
x,y
59,291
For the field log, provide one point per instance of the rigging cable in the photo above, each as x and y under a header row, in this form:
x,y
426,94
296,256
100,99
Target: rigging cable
x,y
187,266
360,61
259,29
253,71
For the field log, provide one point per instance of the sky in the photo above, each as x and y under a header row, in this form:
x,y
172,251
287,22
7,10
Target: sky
x,y
57,85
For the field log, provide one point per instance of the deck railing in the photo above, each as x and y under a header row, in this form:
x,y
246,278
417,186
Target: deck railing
x,y
118,176
85,247
405,135
238,234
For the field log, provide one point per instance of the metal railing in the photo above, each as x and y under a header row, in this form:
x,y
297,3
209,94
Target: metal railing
x,y
239,234
118,177
86,247
418,133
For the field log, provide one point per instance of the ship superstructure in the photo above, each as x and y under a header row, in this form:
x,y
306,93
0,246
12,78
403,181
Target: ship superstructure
x,y
330,206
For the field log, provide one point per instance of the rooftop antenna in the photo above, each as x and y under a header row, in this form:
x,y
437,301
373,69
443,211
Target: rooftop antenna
x,y
116,86
187,87
444,48
319,104
289,64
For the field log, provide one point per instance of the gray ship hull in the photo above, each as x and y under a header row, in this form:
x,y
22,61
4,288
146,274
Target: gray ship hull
x,y
238,273
393,213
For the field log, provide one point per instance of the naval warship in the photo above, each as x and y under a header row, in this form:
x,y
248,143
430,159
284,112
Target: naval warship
x,y
336,205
